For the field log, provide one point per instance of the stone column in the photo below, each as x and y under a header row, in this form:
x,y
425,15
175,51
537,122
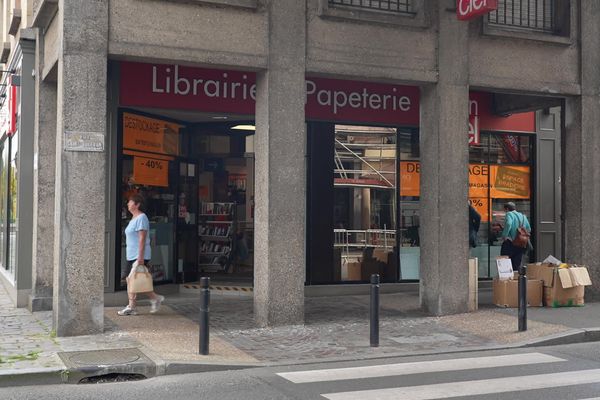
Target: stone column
x,y
80,209
280,183
444,172
43,186
582,159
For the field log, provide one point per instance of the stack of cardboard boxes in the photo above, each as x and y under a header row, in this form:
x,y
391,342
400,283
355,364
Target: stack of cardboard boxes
x,y
550,283
564,284
505,287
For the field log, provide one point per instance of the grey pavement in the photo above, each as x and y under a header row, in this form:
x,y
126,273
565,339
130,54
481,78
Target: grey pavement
x,y
544,373
336,328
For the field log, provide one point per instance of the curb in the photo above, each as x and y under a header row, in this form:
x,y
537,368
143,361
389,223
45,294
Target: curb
x,y
160,367
182,367
32,376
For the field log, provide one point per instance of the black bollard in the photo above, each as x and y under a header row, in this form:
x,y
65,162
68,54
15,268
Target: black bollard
x,y
204,311
374,337
522,299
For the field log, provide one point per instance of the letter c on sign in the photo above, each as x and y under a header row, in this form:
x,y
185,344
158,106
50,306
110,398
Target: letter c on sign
x,y
461,8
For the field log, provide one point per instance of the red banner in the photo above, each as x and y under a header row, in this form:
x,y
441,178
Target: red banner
x,y
470,9
190,88
336,100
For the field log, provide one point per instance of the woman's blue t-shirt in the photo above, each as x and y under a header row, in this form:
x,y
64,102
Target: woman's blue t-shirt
x,y
132,239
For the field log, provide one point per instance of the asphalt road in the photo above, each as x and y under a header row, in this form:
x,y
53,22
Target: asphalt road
x,y
549,373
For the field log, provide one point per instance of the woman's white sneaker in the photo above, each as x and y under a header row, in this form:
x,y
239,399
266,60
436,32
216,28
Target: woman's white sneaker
x,y
127,311
155,303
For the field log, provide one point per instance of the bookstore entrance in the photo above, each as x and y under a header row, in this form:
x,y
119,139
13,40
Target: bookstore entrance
x,y
196,177
185,142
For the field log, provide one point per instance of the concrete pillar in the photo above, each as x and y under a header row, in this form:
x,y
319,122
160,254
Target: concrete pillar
x,y
44,166
582,159
444,172
80,209
280,181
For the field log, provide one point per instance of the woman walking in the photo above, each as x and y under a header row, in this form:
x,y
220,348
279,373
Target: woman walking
x,y
138,249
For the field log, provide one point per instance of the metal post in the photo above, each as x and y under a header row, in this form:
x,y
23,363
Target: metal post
x,y
204,312
522,299
374,337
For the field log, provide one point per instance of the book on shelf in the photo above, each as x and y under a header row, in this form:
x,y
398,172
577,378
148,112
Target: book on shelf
x,y
214,247
216,208
214,230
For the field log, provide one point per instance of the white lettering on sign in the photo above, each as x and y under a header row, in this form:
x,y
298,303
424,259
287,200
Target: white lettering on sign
x,y
474,136
83,141
468,9
170,82
338,99
173,83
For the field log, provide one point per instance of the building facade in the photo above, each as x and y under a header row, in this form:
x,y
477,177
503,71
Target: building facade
x,y
292,144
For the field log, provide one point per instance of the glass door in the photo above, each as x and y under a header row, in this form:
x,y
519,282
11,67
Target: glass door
x,y
187,222
500,170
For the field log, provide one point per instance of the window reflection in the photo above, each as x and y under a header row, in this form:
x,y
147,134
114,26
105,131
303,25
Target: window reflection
x,y
500,170
12,202
3,208
365,176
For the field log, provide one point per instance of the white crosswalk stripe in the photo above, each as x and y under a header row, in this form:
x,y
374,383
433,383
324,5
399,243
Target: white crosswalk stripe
x,y
412,368
473,388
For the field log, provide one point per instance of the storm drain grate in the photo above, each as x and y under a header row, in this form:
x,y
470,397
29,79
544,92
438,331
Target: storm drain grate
x,y
112,378
104,358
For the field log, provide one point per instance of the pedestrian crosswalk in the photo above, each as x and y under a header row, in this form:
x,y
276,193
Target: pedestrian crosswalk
x,y
412,371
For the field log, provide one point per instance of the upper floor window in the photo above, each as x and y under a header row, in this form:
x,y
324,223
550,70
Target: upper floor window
x,y
396,6
535,15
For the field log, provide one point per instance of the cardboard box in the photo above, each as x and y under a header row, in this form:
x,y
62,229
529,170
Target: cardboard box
x,y
351,271
563,287
381,255
506,293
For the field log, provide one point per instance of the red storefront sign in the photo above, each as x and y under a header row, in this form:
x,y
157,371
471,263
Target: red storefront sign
x,y
336,100
470,9
12,110
209,90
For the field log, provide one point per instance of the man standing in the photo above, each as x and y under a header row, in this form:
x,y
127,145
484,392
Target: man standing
x,y
512,222
474,223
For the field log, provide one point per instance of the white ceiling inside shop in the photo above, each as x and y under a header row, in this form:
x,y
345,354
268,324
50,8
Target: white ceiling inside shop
x,y
194,116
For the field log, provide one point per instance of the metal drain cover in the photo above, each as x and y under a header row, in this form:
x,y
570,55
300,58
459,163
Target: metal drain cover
x,y
77,359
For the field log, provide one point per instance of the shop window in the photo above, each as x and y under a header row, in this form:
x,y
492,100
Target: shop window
x,y
13,223
3,204
409,195
365,202
500,170
198,183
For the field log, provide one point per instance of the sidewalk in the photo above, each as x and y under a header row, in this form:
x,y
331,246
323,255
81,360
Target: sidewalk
x,y
336,328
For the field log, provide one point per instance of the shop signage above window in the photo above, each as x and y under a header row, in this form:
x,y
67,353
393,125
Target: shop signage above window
x,y
12,109
208,90
470,9
335,100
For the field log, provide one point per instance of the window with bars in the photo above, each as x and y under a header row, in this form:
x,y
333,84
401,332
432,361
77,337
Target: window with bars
x,y
535,15
396,6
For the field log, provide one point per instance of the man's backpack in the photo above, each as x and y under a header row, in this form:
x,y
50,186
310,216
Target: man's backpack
x,y
522,237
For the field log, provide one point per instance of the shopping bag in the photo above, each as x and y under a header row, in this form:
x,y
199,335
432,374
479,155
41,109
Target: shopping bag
x,y
139,279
